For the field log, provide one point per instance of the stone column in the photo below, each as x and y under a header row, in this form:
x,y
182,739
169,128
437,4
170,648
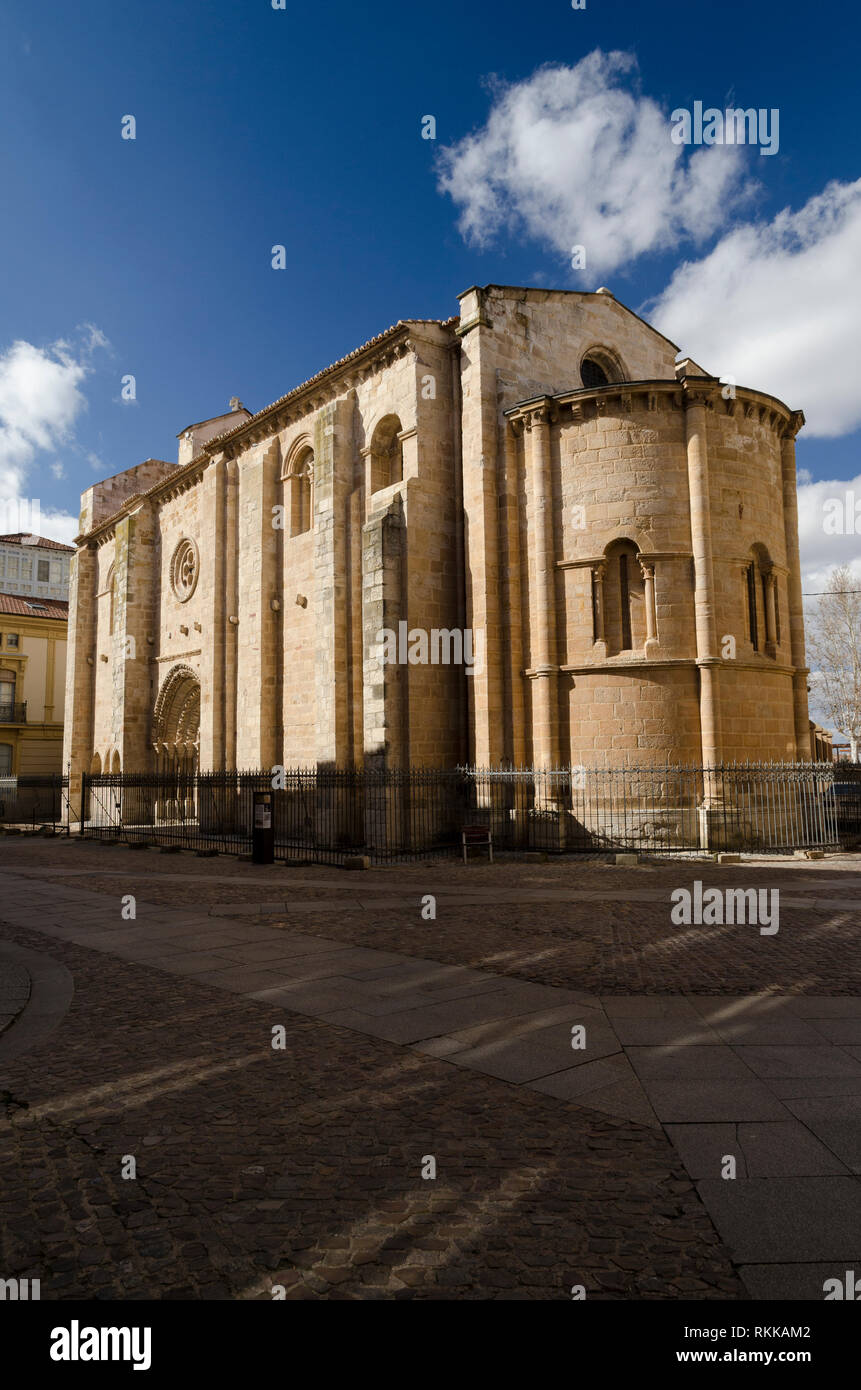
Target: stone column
x,y
386,736
770,613
80,674
598,572
135,579
481,449
213,528
544,674
513,599
259,585
231,629
333,481
708,661
648,573
796,605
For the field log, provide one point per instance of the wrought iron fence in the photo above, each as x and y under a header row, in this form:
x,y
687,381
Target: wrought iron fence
x,y
33,800
846,795
389,815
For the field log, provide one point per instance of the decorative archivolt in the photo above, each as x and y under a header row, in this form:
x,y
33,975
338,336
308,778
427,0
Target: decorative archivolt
x,y
111,590
176,716
298,461
386,453
608,360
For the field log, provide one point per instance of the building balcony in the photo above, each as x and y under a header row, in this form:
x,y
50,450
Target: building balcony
x,y
13,714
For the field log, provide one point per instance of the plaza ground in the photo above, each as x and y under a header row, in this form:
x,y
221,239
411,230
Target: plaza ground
x,y
408,1037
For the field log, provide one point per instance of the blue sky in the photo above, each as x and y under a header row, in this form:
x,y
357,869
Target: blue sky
x,y
302,126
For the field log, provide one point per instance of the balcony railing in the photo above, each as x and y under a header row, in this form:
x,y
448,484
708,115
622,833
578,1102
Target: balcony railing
x,y
13,714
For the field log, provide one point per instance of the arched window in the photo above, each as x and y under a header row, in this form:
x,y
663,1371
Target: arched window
x,y
111,590
762,602
623,595
300,493
387,454
601,366
592,373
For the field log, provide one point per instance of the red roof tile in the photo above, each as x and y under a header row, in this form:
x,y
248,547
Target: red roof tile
x,y
37,542
24,606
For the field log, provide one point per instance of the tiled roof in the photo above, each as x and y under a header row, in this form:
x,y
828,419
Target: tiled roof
x,y
24,606
37,542
327,371
213,445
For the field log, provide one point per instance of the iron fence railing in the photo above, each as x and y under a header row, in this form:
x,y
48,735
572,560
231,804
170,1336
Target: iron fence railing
x,y
326,814
11,713
34,800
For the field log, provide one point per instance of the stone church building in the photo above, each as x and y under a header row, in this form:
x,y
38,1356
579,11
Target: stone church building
x,y
586,550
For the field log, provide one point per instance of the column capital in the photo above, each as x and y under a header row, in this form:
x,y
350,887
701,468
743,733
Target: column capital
x,y
793,425
697,392
544,412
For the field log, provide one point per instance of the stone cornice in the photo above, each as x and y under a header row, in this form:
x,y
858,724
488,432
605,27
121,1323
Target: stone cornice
x,y
694,390
585,562
630,665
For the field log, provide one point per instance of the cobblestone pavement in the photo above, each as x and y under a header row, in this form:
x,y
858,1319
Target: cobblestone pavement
x,y
303,1167
616,940
14,991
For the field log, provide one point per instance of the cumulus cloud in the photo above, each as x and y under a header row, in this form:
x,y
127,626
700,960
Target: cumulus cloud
x,y
574,156
829,529
776,305
40,402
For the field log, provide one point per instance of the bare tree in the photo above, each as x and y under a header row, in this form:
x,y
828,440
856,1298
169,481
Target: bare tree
x,y
834,653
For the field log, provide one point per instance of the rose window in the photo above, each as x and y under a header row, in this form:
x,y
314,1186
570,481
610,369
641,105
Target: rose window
x,y
184,570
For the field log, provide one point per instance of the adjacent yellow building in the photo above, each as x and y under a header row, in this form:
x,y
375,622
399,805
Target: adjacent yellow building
x,y
33,635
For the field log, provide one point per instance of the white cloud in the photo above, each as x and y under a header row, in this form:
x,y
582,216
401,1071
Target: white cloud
x,y
776,306
40,402
573,157
40,399
821,551
59,526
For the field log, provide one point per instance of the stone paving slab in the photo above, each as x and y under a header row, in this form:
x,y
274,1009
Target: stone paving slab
x,y
800,1087
584,1081
783,1061
678,1009
698,1102
38,994
415,1025
762,1032
836,1120
664,1032
810,1006
522,1059
794,1282
625,1099
787,1220
688,1064
841,1030
777,1149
